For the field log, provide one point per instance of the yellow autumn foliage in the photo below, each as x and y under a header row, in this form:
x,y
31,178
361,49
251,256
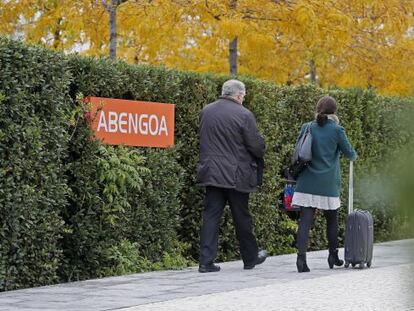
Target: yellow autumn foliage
x,y
353,43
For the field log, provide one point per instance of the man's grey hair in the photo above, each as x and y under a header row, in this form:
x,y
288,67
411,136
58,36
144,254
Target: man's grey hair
x,y
233,88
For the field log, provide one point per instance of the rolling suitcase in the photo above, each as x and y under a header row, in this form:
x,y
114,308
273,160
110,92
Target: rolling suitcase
x,y
359,232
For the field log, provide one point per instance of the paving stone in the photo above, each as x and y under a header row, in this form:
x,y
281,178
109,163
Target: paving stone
x,y
386,288
274,285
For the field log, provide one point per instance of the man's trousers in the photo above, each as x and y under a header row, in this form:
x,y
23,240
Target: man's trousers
x,y
215,201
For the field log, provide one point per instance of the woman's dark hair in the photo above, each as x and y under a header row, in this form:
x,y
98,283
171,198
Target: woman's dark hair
x,y
326,105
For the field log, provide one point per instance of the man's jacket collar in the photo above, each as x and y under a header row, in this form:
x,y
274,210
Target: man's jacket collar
x,y
230,98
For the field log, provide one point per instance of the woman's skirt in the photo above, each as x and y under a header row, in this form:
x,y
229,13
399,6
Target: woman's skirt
x,y
316,201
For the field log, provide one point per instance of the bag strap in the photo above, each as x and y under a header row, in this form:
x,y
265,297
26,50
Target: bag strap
x,y
308,128
306,132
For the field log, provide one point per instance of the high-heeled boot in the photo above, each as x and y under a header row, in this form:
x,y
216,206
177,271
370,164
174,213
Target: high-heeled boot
x,y
333,259
301,263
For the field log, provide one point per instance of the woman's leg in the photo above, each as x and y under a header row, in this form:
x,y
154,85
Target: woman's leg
x,y
305,223
332,235
332,229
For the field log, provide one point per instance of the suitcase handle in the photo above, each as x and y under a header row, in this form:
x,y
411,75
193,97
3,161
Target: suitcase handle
x,y
351,188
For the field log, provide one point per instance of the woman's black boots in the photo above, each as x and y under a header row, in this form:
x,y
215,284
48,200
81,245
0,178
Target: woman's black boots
x,y
301,263
333,259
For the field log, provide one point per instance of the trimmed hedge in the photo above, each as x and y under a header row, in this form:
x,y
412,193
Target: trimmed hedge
x,y
33,148
72,209
102,231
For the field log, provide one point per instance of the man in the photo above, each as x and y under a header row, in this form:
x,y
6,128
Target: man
x,y
231,148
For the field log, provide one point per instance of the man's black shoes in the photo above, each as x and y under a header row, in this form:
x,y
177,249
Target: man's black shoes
x,y
208,268
261,257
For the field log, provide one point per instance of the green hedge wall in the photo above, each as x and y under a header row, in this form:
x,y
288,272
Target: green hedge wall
x,y
72,209
33,149
103,233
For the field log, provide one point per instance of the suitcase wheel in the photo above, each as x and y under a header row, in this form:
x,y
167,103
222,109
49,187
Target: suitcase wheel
x,y
369,264
346,264
361,265
353,265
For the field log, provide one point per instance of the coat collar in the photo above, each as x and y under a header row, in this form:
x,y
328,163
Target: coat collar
x,y
230,99
333,117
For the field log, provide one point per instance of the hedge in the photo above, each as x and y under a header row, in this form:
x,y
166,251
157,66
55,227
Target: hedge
x,y
102,230
33,148
72,209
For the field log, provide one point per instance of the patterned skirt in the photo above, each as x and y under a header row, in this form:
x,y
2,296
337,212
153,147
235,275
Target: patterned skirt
x,y
316,201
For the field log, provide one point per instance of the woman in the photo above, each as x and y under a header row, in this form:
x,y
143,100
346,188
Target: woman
x,y
318,186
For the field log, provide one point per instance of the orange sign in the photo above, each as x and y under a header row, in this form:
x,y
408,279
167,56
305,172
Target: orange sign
x,y
132,123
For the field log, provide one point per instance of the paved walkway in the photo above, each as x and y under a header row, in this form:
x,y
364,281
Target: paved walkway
x,y
275,285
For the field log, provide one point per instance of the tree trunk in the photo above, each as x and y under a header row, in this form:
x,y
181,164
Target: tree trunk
x,y
312,71
233,45
57,34
233,57
112,29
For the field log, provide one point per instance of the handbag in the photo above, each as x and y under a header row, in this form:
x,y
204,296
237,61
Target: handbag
x,y
285,200
302,156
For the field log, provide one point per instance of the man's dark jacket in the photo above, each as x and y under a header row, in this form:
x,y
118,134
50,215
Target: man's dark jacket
x,y
231,147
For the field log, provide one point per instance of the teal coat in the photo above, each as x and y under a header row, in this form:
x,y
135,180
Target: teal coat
x,y
323,175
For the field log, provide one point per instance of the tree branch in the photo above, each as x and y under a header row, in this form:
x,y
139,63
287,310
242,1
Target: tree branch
x,y
269,19
105,5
